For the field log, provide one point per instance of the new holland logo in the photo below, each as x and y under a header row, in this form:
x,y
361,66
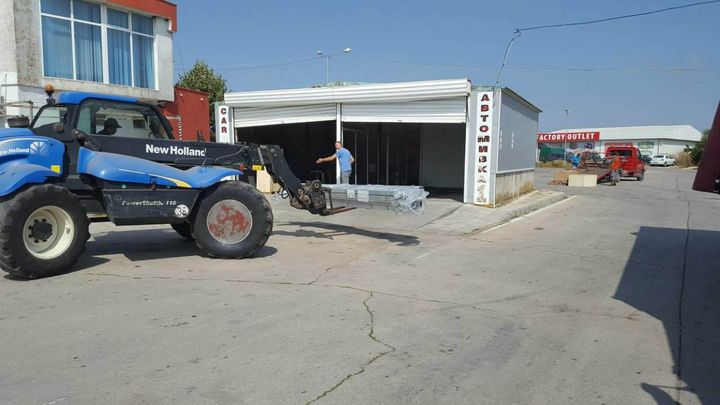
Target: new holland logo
x,y
39,148
174,150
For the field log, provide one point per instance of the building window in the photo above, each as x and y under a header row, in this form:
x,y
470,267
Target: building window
x,y
142,28
89,41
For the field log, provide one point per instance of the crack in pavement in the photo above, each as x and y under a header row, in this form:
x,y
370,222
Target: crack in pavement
x,y
324,272
408,297
263,282
371,294
681,296
371,335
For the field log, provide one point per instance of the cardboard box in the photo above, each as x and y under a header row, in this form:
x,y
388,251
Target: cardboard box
x,y
265,183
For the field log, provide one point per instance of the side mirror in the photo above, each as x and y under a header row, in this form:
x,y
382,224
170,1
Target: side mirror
x,y
59,127
19,122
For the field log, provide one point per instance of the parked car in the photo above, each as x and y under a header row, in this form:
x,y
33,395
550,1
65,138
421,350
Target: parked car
x,y
662,160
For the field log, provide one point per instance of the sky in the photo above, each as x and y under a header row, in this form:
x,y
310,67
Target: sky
x,y
428,40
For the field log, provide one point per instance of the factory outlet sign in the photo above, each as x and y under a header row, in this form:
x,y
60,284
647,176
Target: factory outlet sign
x,y
483,144
568,136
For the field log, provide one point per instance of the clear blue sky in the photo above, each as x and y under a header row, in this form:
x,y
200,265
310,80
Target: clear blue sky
x,y
229,34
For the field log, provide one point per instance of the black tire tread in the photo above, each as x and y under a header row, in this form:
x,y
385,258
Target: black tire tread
x,y
13,207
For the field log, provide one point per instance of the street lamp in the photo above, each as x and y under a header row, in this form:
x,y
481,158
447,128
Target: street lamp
x,y
327,61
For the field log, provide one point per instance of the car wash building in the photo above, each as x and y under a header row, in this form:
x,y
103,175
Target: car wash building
x,y
445,135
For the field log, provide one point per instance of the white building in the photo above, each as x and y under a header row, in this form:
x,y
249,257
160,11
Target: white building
x,y
121,47
651,140
441,134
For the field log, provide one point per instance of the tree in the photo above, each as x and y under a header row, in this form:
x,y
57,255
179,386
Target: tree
x,y
696,150
202,78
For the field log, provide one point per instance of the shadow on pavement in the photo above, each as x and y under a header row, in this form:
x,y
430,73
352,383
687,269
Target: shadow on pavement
x,y
445,193
332,230
142,244
652,282
150,244
139,245
661,397
85,262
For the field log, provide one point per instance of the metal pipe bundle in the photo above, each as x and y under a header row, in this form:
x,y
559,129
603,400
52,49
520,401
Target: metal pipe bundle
x,y
392,198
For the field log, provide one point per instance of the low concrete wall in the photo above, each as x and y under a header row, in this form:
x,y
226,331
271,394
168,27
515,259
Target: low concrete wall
x,y
513,184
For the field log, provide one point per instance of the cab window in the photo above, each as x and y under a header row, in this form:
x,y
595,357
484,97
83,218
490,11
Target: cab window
x,y
112,118
621,153
50,115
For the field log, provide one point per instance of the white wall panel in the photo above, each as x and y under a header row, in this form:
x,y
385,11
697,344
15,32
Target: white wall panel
x,y
431,111
260,116
517,145
403,91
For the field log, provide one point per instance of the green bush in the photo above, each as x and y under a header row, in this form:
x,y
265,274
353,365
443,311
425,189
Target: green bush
x,y
697,150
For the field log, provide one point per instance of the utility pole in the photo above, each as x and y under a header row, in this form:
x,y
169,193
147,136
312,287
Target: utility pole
x,y
567,113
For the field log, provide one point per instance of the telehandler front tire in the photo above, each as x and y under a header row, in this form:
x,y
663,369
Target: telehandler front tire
x,y
43,231
233,220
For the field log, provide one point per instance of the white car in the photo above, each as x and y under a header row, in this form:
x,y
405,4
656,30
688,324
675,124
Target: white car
x,y
662,160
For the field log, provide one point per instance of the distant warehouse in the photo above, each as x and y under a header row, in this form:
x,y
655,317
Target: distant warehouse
x,y
651,140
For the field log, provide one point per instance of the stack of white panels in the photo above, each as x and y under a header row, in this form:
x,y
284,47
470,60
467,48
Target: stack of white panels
x,y
392,198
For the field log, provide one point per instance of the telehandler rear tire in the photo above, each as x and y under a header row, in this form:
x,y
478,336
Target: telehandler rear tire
x,y
233,220
43,231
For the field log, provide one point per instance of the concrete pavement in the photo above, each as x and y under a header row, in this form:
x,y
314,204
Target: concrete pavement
x,y
576,303
443,214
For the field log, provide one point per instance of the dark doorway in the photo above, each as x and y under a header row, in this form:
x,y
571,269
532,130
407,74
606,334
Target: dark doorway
x,y
303,144
385,153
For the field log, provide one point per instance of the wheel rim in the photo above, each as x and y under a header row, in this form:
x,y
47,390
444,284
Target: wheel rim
x,y
229,221
48,232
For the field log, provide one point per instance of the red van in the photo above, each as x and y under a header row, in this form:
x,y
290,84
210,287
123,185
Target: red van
x,y
630,160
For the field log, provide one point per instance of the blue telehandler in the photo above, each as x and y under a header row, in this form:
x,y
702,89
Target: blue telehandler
x,y
91,157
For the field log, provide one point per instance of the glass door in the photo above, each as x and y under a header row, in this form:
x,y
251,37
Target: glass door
x,y
365,148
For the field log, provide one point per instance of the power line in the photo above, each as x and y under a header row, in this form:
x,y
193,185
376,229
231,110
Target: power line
x,y
662,10
264,66
519,31
516,35
547,68
182,60
474,67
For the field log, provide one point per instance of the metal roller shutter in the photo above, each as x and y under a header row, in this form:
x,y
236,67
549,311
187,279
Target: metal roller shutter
x,y
431,111
259,116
